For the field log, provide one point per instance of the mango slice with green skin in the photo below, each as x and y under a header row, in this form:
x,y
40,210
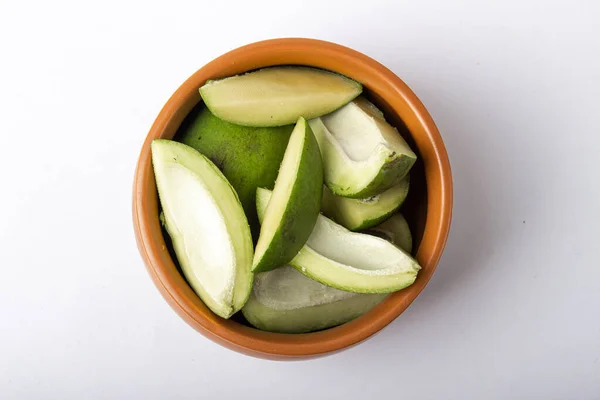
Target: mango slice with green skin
x,y
350,261
358,214
396,230
248,157
278,96
205,220
363,155
286,301
294,206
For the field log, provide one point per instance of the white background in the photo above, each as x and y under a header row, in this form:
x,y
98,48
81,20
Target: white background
x,y
514,309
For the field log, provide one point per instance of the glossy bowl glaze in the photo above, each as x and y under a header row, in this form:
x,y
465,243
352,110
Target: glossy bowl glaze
x,y
428,207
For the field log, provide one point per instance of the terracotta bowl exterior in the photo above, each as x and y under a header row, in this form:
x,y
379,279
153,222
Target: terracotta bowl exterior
x,y
428,208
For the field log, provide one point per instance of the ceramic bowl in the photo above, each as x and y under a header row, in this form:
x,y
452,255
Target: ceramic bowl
x,y
428,207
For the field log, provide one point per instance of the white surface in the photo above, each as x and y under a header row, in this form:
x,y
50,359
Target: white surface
x,y
514,309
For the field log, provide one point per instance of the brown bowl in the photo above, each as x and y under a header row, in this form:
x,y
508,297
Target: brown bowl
x,y
428,208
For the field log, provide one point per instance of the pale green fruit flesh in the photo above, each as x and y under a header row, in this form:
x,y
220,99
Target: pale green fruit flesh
x,y
278,96
357,214
396,230
291,214
207,225
363,155
284,300
349,261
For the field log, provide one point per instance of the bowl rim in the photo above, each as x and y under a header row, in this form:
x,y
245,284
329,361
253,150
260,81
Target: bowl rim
x,y
378,79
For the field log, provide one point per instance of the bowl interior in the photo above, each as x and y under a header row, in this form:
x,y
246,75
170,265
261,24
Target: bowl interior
x,y
414,208
427,208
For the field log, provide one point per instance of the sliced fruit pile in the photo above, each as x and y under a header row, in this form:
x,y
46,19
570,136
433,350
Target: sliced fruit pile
x,y
243,185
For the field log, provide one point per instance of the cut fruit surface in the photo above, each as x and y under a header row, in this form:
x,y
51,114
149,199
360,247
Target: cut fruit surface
x,y
284,300
293,209
358,214
396,230
278,96
248,157
355,262
363,155
207,225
